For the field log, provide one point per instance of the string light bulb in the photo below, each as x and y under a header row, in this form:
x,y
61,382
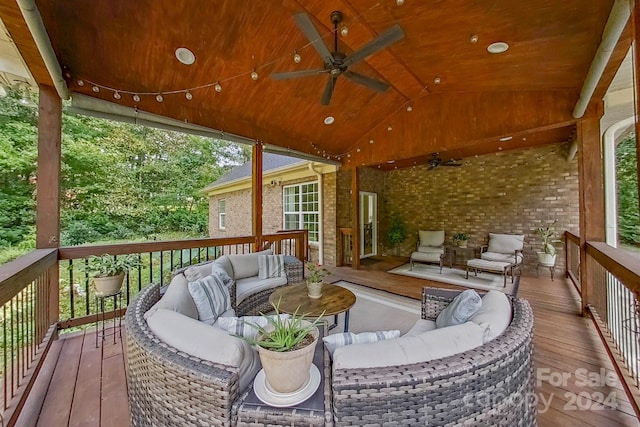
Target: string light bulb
x,y
117,95
159,98
254,75
296,57
188,95
136,97
218,87
80,82
96,89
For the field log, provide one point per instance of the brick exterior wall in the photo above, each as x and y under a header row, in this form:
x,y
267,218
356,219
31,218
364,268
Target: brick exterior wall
x,y
506,192
238,217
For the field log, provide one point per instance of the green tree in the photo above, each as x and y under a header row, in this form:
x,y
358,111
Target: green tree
x,y
627,182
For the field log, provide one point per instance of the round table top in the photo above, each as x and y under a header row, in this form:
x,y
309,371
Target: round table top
x,y
334,300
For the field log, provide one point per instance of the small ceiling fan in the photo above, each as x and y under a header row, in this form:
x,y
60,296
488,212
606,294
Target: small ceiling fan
x,y
436,161
337,63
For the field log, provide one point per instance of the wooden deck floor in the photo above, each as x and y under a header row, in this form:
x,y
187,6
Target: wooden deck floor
x,y
84,386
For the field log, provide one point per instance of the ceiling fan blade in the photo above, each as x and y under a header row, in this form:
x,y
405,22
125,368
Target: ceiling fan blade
x,y
390,36
306,26
298,74
366,81
328,91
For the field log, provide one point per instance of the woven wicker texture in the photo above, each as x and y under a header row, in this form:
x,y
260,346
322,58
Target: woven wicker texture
x,y
491,385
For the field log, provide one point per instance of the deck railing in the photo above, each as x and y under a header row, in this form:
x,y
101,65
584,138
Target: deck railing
x,y
346,246
50,289
28,325
614,289
572,258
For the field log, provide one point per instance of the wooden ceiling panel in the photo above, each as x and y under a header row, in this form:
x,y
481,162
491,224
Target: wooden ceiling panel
x,y
129,46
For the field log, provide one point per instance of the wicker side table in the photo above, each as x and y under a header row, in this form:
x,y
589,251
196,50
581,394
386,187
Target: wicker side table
x,y
315,411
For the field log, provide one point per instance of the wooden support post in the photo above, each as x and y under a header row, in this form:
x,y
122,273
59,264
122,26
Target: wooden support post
x,y
48,186
355,217
591,198
256,192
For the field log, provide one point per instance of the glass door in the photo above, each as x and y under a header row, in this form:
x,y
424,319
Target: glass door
x,y
368,224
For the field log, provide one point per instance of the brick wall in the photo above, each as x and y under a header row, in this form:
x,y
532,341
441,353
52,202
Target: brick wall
x,y
507,192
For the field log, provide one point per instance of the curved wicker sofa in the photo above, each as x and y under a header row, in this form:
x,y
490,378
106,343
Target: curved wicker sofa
x,y
491,385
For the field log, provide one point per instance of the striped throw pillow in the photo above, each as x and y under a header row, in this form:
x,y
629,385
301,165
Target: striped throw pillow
x,y
211,297
271,266
244,326
339,340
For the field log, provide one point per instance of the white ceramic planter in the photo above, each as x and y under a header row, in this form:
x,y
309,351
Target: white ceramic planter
x,y
546,259
288,371
314,290
108,285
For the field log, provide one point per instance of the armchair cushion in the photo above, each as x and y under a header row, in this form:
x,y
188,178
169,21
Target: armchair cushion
x,y
251,285
494,315
438,250
421,325
176,298
500,257
505,243
435,344
206,342
431,238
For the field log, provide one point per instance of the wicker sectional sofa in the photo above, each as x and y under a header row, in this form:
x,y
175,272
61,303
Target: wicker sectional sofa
x,y
489,385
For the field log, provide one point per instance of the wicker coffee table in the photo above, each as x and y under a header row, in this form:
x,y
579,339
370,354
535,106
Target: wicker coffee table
x,y
334,300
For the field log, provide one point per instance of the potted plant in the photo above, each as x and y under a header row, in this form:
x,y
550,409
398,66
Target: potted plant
x,y
286,347
461,239
548,256
314,281
396,233
108,272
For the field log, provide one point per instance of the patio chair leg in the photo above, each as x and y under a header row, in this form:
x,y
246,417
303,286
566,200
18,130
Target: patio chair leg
x,y
467,272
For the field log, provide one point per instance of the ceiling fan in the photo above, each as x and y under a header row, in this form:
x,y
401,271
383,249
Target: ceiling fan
x,y
436,161
337,63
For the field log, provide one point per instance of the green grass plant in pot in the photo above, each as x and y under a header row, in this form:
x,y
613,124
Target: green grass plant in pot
x,y
108,272
396,233
314,281
286,349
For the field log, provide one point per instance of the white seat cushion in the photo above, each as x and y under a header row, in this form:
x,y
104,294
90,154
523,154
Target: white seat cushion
x,y
482,264
494,314
431,249
505,243
251,285
206,342
431,238
176,298
246,265
421,325
495,256
425,257
423,347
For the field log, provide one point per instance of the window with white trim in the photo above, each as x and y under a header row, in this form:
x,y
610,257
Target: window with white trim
x,y
222,214
301,208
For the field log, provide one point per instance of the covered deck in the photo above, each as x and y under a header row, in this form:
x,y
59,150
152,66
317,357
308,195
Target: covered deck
x,y
81,385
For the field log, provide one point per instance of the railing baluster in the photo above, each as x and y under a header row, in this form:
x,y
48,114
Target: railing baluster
x,y
161,268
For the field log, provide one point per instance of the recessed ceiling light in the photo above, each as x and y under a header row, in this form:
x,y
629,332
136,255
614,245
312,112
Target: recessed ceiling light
x,y
506,138
185,56
498,47
329,120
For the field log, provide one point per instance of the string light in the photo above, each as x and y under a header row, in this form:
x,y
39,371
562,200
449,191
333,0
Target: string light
x,y
96,89
218,87
188,95
254,75
136,98
117,95
296,57
159,98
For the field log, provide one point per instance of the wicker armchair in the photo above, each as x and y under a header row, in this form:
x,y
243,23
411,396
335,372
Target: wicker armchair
x,y
491,385
171,388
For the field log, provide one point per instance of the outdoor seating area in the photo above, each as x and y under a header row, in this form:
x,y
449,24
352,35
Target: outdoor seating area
x,y
194,366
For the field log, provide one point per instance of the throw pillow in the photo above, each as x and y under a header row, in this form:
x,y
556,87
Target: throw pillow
x,y
218,270
211,297
270,266
339,340
245,326
460,310
198,271
494,315
176,298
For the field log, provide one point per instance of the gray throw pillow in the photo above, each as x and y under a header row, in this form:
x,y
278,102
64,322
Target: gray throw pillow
x,y
211,296
460,310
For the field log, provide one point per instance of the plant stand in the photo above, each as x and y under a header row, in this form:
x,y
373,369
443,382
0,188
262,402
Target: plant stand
x,y
551,267
102,331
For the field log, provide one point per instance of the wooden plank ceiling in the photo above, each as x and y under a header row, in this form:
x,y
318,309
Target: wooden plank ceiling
x,y
527,93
